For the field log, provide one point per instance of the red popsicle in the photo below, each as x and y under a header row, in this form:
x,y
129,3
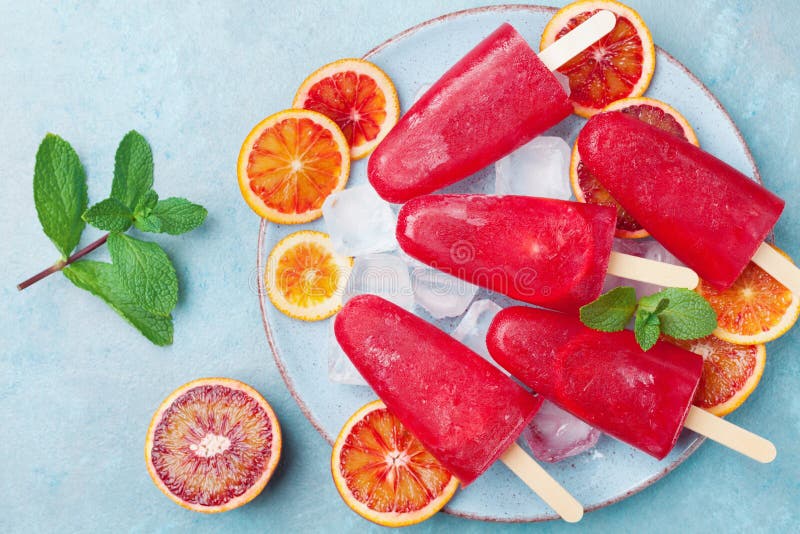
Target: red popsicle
x,y
641,398
709,215
495,99
551,253
461,407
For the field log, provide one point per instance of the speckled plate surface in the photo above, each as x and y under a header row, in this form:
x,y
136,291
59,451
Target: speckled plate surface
x,y
413,59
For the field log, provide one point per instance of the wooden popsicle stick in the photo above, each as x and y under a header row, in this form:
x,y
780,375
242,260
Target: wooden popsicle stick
x,y
732,436
578,39
778,266
651,271
542,484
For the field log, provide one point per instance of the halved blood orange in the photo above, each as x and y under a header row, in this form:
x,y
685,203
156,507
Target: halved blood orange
x,y
619,65
730,372
755,309
290,162
384,473
305,277
586,187
213,445
358,96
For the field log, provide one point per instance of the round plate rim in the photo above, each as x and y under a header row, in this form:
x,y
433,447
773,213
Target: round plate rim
x,y
262,292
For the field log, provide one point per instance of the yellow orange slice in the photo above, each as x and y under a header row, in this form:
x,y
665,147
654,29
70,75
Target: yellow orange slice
x,y
290,162
213,445
755,309
358,96
619,65
730,372
588,189
383,472
305,277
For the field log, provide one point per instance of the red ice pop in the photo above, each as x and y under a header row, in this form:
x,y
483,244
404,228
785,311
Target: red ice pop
x,y
495,99
461,407
641,398
709,215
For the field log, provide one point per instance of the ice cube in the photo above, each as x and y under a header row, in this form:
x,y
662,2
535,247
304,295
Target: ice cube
x,y
340,369
471,331
421,91
359,221
441,294
385,275
563,79
538,169
554,434
644,248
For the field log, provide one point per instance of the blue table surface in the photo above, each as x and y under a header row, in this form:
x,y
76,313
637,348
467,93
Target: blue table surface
x,y
78,386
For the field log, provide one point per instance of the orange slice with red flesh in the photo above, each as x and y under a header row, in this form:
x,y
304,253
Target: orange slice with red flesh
x,y
384,473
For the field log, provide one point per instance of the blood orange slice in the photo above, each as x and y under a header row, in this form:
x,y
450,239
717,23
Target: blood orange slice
x,y
289,164
305,277
213,445
730,372
755,309
358,96
586,187
619,65
383,472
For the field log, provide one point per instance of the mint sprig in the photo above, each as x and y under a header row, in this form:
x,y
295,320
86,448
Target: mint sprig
x,y
678,313
140,283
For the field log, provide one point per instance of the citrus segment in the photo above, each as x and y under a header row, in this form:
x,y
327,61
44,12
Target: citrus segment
x,y
755,309
619,65
358,96
730,372
384,473
305,277
213,445
290,162
588,189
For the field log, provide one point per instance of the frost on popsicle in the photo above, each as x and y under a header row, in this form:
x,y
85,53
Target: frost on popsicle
x,y
359,221
554,434
539,168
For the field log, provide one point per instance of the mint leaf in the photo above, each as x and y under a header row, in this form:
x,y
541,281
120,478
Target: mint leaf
x,y
151,223
59,192
102,280
110,215
146,204
611,311
133,170
174,216
646,328
146,273
688,315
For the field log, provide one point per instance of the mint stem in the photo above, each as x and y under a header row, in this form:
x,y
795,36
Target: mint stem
x,y
60,264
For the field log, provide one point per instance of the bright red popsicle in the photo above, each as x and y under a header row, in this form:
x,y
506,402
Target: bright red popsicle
x,y
461,407
641,398
709,215
497,98
552,253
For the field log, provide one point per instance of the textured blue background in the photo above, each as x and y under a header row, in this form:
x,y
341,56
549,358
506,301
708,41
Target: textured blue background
x,y
78,387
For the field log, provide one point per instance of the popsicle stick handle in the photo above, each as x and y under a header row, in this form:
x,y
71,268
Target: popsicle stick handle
x,y
777,265
732,436
542,484
651,271
578,39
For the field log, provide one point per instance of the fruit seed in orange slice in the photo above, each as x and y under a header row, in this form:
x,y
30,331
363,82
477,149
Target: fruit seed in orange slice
x,y
358,96
730,372
289,164
619,65
755,309
213,445
588,189
384,473
305,277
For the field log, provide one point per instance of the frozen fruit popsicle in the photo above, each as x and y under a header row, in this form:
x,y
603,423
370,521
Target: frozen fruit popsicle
x,y
605,379
709,215
552,253
464,410
495,99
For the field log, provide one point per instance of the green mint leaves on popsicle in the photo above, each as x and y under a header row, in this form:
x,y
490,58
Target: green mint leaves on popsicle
x,y
675,312
140,283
